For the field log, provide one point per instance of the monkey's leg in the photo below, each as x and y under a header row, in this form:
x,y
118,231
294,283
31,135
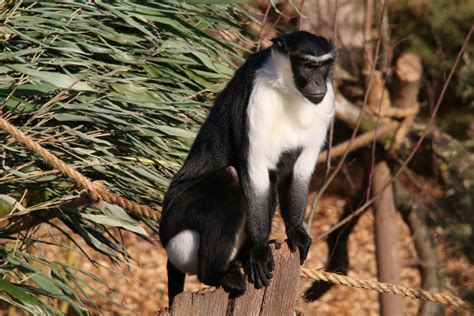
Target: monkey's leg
x,y
216,267
260,198
175,281
293,195
260,263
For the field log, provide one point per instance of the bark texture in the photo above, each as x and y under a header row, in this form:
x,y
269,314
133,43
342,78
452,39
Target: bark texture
x,y
279,298
386,239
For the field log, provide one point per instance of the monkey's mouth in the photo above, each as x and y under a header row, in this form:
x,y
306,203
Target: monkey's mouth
x,y
315,98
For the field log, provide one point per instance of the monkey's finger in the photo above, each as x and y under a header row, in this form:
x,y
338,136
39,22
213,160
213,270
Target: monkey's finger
x,y
264,278
271,264
251,273
291,245
303,253
258,283
268,275
258,278
302,257
251,276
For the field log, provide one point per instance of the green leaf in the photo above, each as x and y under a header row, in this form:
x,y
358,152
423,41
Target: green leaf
x,y
22,296
34,310
7,203
45,282
178,132
117,217
65,117
57,79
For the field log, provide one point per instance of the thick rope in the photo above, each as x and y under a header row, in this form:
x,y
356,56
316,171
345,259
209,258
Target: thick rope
x,y
380,287
96,189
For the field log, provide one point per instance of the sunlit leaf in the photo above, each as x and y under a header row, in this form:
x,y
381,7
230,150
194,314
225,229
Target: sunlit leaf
x,y
54,78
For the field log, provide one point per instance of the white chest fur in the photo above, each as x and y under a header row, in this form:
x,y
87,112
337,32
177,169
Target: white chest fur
x,y
281,119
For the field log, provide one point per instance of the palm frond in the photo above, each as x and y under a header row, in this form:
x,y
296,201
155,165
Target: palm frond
x,y
117,89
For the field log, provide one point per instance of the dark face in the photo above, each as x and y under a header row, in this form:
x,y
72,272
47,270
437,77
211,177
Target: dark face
x,y
310,77
312,59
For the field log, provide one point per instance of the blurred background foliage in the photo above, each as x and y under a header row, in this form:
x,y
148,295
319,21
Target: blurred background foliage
x,y
435,30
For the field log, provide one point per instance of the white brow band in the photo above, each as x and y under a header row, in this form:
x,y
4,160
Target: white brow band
x,y
319,59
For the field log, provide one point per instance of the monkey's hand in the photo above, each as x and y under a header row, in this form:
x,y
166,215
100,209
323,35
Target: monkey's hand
x,y
260,265
299,238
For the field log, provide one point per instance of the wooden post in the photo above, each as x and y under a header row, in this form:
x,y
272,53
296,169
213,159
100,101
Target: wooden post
x,y
279,298
405,88
415,215
406,82
386,240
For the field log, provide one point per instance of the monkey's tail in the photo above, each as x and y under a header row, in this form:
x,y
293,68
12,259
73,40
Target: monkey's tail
x,y
175,281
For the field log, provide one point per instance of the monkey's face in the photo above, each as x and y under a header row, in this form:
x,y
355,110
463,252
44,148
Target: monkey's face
x,y
311,77
312,58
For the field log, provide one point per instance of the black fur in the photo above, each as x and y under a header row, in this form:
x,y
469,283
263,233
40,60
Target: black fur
x,y
177,286
212,192
212,206
293,197
199,197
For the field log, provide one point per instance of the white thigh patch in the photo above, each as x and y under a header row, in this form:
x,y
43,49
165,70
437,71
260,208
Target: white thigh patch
x,y
182,251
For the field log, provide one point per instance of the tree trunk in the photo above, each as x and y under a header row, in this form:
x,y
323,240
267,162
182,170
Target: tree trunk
x,y
386,240
406,82
414,215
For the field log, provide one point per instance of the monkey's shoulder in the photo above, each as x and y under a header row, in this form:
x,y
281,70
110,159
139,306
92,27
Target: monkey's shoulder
x,y
236,93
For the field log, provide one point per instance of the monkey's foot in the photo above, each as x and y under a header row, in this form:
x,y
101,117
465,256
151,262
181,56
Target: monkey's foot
x,y
260,265
233,281
299,238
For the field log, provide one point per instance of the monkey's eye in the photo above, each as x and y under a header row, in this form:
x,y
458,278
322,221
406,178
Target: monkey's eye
x,y
311,66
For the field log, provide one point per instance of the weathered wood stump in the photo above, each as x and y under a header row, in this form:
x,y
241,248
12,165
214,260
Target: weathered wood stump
x,y
279,298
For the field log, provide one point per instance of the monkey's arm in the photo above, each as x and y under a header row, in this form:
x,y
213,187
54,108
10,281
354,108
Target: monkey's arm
x,y
260,201
293,194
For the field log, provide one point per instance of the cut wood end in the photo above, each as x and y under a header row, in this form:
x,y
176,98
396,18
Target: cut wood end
x,y
409,67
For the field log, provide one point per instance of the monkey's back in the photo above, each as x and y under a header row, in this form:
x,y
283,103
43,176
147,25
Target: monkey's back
x,y
221,142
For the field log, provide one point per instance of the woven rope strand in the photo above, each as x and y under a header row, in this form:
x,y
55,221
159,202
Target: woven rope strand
x,y
383,287
96,189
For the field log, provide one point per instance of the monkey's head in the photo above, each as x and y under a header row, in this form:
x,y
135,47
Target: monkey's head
x,y
312,59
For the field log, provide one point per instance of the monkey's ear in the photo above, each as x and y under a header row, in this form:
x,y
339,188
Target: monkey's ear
x,y
279,42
